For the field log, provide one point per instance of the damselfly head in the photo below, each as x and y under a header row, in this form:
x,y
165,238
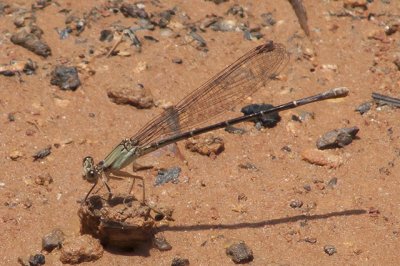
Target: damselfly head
x,y
90,173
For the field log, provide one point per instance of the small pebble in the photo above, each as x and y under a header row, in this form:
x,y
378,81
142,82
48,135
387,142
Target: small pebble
x,y
166,32
11,117
286,149
75,24
161,243
307,187
177,61
165,17
168,175
19,21
217,2
235,130
251,36
225,25
267,19
337,138
333,182
41,4
303,116
177,261
133,11
242,197
197,37
42,153
37,259
30,132
44,180
330,250
296,204
150,38
146,24
248,166
311,240
15,155
106,35
53,240
364,107
240,253
79,249
236,10
64,33
65,77
208,21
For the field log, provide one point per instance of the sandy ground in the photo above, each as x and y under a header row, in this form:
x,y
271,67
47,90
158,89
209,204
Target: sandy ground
x,y
359,216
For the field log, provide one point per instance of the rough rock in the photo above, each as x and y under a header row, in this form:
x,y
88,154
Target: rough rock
x,y
79,249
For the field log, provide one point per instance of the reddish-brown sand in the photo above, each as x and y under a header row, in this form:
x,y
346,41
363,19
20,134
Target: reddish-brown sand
x,y
360,216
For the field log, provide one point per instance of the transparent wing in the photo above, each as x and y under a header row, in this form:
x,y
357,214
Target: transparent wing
x,y
221,93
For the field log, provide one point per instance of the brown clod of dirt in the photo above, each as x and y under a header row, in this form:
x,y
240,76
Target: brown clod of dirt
x,y
121,222
79,249
323,158
208,145
136,96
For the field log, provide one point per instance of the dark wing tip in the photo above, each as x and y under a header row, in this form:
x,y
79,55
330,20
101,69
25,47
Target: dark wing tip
x,y
271,46
266,47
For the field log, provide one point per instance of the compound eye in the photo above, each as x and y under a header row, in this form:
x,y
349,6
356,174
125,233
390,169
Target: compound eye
x,y
89,172
88,160
91,176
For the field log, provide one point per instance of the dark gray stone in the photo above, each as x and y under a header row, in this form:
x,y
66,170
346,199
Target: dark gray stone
x,y
65,77
53,240
337,138
177,261
240,252
161,244
168,175
330,250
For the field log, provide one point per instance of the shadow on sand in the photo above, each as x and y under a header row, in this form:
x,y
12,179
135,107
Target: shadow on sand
x,y
291,219
143,250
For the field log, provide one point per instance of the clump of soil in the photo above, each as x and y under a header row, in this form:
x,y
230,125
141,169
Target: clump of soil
x,y
120,221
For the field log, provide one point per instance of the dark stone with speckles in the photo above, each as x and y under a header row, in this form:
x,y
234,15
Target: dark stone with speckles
x,y
65,77
161,244
177,261
330,250
42,153
296,204
37,259
337,138
240,253
364,107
